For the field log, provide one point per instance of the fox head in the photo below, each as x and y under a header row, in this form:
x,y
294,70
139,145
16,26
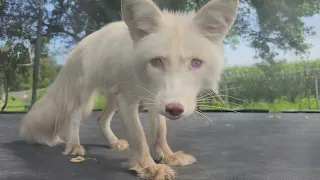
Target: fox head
x,y
177,54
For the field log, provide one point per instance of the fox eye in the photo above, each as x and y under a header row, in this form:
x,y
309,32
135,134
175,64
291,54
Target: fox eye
x,y
157,63
196,63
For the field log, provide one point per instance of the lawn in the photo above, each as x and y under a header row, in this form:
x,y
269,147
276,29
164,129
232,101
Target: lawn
x,y
17,104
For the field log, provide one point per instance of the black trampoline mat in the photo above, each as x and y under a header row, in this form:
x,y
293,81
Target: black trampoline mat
x,y
236,146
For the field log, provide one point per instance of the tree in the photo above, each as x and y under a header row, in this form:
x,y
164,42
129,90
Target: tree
x,y
269,26
47,71
1,88
11,58
35,74
74,20
18,22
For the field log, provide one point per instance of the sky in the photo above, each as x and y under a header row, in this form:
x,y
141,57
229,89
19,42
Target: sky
x,y
243,54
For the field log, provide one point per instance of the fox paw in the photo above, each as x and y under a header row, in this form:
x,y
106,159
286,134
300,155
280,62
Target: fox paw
x,y
74,150
157,172
178,158
120,145
55,141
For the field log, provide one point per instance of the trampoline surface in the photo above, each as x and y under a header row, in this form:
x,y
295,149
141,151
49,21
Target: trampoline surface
x,y
236,146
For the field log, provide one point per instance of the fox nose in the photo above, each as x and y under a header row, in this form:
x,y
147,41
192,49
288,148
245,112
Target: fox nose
x,y
174,109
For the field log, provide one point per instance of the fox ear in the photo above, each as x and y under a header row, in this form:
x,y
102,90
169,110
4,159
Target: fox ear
x,y
216,18
141,16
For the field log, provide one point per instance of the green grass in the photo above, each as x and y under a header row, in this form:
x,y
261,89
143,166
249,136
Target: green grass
x,y
18,105
277,105
100,102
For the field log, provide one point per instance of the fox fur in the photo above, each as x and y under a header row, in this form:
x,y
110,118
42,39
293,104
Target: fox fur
x,y
159,57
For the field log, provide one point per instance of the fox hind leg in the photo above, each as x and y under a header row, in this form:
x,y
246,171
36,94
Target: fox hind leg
x,y
73,146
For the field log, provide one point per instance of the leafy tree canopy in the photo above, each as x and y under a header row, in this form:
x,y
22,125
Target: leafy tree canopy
x,y
269,26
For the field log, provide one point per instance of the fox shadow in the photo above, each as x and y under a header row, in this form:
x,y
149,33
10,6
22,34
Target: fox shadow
x,y
44,162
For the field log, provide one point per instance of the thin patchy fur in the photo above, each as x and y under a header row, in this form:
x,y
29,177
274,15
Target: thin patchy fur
x,y
162,58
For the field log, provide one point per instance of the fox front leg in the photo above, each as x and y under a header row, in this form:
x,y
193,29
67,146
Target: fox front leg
x,y
141,162
159,137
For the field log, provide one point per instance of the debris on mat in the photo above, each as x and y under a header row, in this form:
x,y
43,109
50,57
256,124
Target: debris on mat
x,y
80,159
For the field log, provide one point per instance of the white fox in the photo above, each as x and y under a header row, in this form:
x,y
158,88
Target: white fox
x,y
162,58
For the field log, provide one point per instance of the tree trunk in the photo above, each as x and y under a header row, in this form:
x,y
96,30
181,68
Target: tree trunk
x,y
35,76
6,89
198,4
1,88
